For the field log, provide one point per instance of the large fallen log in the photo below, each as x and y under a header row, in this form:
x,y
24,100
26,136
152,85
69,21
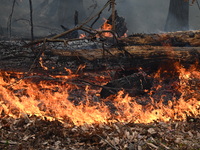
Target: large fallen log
x,y
19,59
143,52
180,38
14,57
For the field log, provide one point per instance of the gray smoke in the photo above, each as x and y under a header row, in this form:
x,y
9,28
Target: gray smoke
x,y
141,16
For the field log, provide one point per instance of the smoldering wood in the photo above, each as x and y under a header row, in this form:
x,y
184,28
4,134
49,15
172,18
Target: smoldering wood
x,y
21,59
179,38
149,54
119,23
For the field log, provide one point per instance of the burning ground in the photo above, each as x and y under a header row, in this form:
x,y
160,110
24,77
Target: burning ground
x,y
40,111
72,103
101,90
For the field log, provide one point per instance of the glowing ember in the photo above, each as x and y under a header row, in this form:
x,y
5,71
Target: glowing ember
x,y
81,36
52,100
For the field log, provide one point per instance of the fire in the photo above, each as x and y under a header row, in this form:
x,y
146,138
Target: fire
x,y
81,36
57,101
106,27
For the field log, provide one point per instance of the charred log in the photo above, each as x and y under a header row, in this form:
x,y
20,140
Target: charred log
x,y
120,24
134,85
91,54
17,58
181,39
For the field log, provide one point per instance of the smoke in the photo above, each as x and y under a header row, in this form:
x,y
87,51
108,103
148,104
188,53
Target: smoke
x,y
141,16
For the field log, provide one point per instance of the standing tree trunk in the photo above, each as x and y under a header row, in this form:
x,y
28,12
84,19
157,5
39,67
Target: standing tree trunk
x,y
178,16
61,12
67,9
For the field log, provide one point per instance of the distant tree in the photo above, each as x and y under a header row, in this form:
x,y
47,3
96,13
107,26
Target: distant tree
x,y
178,16
61,12
67,10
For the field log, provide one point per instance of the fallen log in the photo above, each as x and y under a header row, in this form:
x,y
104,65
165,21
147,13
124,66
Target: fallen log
x,y
21,59
180,38
143,52
125,54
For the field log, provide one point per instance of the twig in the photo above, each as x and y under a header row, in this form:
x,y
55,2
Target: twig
x,y
38,56
9,142
113,146
71,30
152,145
99,14
79,27
96,19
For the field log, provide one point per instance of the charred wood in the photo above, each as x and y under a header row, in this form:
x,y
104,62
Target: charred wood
x,y
180,38
119,24
134,85
14,57
96,57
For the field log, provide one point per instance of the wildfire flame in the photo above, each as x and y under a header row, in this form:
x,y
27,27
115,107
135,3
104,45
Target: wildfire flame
x,y
51,100
81,36
106,27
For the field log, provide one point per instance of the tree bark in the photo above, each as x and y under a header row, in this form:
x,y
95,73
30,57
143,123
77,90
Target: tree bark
x,y
178,16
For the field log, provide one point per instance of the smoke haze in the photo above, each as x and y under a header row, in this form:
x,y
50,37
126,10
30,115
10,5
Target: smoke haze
x,y
141,16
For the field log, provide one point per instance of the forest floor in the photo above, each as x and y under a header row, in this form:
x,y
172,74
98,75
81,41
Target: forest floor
x,y
33,133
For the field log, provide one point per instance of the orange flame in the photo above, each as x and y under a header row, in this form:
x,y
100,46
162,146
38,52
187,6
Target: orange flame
x,y
106,27
52,101
81,36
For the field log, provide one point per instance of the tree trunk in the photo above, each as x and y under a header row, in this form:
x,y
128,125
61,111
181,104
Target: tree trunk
x,y
178,16
67,9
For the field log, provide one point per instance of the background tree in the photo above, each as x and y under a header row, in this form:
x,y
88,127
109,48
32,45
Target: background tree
x,y
67,9
178,16
60,12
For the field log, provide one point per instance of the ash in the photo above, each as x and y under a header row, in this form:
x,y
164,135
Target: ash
x,y
79,44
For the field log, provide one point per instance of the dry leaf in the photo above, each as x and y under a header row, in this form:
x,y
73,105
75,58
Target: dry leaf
x,y
152,145
151,131
178,140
